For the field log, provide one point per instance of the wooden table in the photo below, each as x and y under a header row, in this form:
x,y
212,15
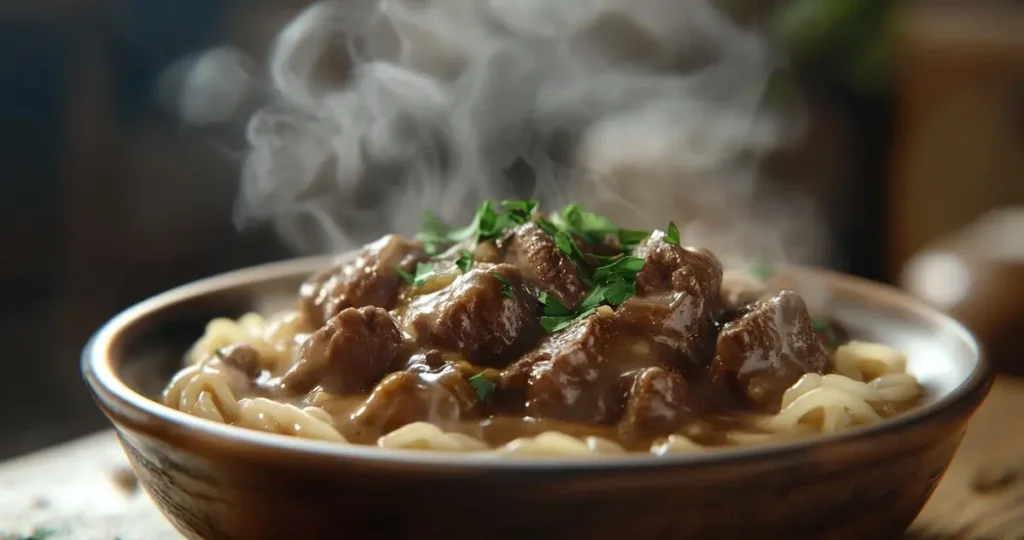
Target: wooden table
x,y
83,490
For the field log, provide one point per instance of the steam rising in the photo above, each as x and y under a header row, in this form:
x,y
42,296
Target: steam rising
x,y
648,110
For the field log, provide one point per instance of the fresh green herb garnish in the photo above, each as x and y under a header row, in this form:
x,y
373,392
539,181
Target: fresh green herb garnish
x,y
821,326
465,261
553,306
630,238
762,269
519,212
488,223
568,246
552,324
672,234
37,534
483,386
409,278
594,228
623,268
548,227
556,315
611,283
506,285
424,271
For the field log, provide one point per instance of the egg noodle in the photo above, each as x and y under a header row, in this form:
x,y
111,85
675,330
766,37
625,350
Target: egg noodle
x,y
867,377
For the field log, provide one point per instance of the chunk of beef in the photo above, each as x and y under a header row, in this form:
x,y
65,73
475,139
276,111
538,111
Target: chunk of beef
x,y
370,280
767,350
243,358
657,404
350,354
543,266
575,375
668,267
677,300
441,397
486,315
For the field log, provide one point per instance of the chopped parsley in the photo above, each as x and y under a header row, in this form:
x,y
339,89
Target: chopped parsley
x,y
519,212
821,326
465,260
488,223
506,285
571,249
622,268
594,228
672,234
556,315
424,271
611,283
762,269
483,386
37,534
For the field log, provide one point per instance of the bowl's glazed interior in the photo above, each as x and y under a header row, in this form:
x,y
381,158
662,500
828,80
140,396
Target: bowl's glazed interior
x,y
878,476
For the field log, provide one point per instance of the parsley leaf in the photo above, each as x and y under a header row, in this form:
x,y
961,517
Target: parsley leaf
x,y
486,224
553,306
623,268
424,271
552,324
595,228
483,386
567,245
629,238
589,226
821,326
409,278
617,293
465,261
672,234
548,227
506,285
37,534
762,269
519,212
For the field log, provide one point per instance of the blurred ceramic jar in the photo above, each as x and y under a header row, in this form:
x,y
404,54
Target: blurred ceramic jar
x,y
977,275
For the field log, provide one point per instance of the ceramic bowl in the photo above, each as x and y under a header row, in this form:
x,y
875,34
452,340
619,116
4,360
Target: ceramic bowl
x,y
217,482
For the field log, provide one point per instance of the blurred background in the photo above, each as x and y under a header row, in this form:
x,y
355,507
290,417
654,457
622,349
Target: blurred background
x,y
914,147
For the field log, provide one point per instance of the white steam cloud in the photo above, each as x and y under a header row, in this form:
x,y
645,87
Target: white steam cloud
x,y
647,110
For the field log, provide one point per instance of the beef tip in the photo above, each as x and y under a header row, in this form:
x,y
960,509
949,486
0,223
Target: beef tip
x,y
767,350
441,397
486,315
543,266
565,378
353,351
677,300
370,280
576,375
243,358
668,267
656,406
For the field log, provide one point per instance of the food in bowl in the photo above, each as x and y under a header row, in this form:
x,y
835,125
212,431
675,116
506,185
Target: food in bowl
x,y
527,333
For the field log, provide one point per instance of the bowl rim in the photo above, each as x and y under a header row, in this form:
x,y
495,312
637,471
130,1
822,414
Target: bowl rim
x,y
119,401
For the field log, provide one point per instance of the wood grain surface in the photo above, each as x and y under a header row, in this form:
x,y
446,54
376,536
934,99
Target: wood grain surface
x,y
83,490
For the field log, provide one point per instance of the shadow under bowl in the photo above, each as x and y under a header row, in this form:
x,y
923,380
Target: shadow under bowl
x,y
218,482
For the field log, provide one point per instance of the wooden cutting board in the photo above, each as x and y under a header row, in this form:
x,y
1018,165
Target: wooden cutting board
x,y
83,490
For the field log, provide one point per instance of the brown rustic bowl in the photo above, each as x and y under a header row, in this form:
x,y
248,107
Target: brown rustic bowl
x,y
220,482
